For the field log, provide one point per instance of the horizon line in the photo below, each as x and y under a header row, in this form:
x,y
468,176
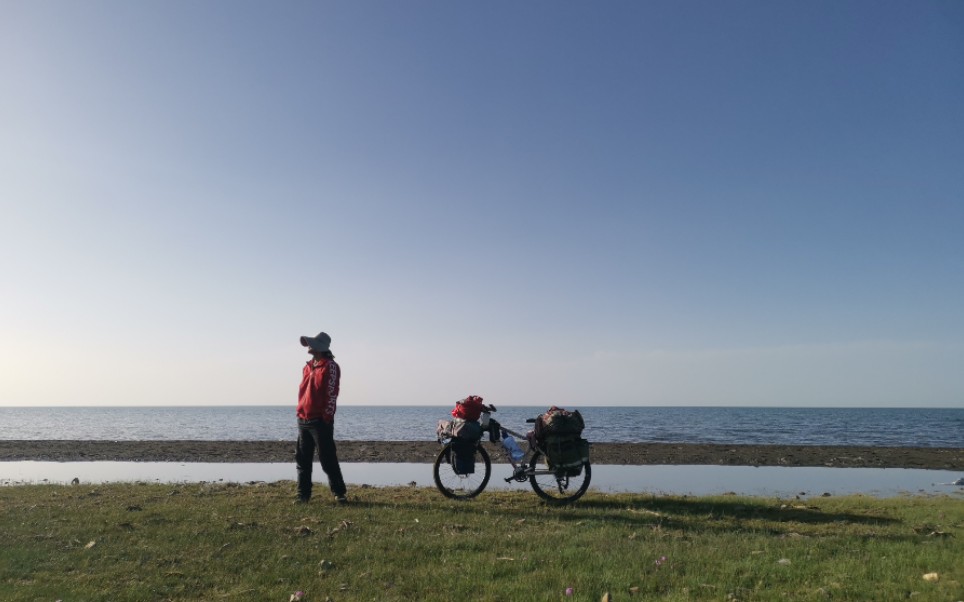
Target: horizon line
x,y
513,405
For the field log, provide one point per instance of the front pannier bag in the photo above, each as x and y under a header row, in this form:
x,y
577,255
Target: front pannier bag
x,y
465,435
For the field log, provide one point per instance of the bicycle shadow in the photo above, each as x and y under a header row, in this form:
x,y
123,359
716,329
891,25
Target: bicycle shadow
x,y
683,513
702,513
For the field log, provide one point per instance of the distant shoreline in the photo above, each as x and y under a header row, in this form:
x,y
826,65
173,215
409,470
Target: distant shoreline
x,y
425,451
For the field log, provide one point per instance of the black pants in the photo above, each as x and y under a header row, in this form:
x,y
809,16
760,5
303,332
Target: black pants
x,y
320,434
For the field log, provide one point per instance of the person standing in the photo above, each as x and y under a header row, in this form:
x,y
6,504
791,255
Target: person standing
x,y
317,401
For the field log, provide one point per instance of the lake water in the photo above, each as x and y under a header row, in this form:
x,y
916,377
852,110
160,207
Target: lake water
x,y
885,427
678,480
892,427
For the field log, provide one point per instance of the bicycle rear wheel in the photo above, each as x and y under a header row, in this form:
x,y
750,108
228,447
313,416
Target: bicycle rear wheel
x,y
557,487
461,486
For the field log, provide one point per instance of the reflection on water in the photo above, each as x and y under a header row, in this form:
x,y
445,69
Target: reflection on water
x,y
692,480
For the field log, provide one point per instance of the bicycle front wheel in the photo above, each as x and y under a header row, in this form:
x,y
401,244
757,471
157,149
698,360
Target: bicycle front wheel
x,y
558,486
458,486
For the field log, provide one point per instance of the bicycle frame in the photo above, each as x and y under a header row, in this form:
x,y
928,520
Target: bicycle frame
x,y
523,467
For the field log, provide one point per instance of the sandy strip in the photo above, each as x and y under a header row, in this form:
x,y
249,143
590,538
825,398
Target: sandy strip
x,y
425,451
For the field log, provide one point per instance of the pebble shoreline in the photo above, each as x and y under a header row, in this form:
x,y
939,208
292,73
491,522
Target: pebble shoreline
x,y
425,452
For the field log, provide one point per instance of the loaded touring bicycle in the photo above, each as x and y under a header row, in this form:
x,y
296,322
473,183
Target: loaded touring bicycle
x,y
555,463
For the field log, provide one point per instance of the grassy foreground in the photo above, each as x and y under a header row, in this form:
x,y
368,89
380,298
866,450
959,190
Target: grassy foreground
x,y
249,542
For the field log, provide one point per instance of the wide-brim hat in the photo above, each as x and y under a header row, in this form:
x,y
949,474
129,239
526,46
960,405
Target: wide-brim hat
x,y
320,342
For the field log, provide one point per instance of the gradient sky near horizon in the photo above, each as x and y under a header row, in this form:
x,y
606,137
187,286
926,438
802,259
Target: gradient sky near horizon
x,y
579,203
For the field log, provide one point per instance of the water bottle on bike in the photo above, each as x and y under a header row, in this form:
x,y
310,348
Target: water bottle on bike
x,y
511,447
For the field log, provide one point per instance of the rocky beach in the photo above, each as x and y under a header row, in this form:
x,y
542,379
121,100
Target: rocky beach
x,y
425,452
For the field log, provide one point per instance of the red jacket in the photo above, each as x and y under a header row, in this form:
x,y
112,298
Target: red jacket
x,y
318,393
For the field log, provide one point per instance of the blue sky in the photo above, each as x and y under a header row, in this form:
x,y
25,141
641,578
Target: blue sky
x,y
616,203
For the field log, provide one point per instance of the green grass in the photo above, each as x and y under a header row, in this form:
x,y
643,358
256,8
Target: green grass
x,y
228,542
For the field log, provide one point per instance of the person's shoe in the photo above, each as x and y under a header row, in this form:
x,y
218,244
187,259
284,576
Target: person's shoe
x,y
341,499
302,500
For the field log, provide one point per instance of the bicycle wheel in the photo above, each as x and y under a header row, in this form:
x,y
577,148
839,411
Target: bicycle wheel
x,y
461,486
555,486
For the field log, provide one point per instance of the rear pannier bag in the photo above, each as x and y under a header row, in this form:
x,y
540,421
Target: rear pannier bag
x,y
560,433
566,452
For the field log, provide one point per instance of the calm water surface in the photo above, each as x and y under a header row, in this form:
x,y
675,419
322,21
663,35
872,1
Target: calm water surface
x,y
676,480
890,427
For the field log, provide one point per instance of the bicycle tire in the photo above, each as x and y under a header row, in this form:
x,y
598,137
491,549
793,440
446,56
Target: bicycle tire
x,y
557,488
461,487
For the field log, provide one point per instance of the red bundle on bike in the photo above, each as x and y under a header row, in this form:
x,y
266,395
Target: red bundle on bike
x,y
469,408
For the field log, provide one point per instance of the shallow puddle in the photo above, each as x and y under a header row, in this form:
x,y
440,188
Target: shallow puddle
x,y
677,480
